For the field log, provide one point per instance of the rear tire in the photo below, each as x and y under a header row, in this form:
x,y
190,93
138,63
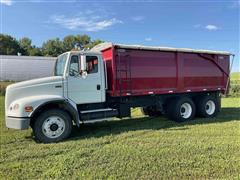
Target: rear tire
x,y
52,126
208,106
181,109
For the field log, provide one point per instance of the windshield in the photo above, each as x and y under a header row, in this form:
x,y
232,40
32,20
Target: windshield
x,y
60,65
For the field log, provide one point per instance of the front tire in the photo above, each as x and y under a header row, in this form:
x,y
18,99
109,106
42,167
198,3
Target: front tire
x,y
181,109
52,126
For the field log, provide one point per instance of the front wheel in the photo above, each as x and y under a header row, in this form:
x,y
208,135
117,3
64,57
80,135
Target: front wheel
x,y
52,126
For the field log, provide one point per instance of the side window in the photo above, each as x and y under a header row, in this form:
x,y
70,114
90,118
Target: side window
x,y
74,66
92,64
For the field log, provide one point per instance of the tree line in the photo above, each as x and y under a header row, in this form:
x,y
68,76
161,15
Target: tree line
x,y
52,47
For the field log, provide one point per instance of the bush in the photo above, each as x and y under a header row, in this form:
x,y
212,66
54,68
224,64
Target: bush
x,y
234,90
2,90
3,85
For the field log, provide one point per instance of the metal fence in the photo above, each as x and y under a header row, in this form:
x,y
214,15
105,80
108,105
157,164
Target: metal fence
x,y
19,68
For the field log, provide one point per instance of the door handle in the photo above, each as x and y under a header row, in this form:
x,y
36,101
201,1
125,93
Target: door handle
x,y
98,87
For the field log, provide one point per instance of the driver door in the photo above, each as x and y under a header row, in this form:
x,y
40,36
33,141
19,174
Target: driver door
x,y
88,90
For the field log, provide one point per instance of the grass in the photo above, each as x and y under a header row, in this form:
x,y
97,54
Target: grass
x,y
3,85
235,85
138,148
235,76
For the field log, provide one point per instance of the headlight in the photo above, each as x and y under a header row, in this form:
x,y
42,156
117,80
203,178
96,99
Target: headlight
x,y
14,107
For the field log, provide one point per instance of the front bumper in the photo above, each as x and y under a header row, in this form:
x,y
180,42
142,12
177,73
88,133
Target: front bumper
x,y
17,122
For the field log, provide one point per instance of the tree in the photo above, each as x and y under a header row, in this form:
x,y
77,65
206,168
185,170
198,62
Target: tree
x,y
83,40
35,51
70,41
94,43
52,47
26,44
29,50
9,45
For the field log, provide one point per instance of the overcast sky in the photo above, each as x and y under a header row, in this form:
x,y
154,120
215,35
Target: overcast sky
x,y
204,24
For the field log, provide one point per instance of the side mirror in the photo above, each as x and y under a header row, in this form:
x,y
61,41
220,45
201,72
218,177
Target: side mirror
x,y
83,67
84,74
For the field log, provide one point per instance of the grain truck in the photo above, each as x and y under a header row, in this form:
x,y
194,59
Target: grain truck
x,y
110,79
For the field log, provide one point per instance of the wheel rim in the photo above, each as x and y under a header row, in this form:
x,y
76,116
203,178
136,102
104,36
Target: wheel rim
x,y
186,110
53,127
210,107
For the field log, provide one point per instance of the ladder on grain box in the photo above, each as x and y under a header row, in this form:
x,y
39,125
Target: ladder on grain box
x,y
124,76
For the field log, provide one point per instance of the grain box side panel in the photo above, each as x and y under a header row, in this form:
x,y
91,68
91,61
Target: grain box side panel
x,y
203,73
152,72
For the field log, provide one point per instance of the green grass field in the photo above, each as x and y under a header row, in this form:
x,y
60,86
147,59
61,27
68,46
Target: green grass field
x,y
138,148
235,76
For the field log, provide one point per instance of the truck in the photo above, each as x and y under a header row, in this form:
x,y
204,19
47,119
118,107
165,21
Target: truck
x,y
110,79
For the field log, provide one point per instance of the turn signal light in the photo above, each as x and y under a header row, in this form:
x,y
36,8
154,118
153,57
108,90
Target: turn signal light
x,y
28,109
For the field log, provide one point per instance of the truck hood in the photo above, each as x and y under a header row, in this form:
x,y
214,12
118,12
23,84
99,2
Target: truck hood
x,y
43,86
25,84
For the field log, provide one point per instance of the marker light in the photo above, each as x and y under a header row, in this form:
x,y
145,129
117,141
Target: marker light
x,y
28,108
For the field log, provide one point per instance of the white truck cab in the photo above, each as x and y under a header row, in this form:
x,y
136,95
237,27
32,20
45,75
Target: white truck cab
x,y
49,104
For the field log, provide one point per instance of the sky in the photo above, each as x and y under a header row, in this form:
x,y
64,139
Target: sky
x,y
203,24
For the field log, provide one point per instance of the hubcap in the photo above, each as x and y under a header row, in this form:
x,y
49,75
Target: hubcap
x,y
186,110
53,127
210,107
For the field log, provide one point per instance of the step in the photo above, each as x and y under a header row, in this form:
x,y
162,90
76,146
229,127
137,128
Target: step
x,y
90,115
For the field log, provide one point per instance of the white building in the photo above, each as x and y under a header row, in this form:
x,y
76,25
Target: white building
x,y
19,68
